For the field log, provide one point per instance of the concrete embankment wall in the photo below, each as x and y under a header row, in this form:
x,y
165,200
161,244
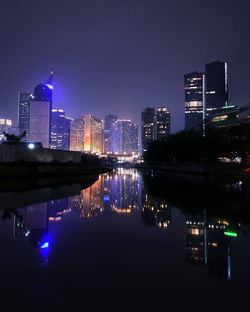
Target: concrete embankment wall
x,y
18,153
9,170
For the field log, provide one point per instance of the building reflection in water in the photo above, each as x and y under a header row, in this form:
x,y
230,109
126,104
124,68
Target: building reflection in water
x,y
118,192
155,211
33,222
208,243
123,193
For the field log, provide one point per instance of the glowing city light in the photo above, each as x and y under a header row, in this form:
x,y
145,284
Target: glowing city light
x,y
31,146
106,198
49,86
230,234
45,245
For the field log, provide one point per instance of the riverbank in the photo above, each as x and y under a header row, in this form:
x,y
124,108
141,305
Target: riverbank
x,y
230,170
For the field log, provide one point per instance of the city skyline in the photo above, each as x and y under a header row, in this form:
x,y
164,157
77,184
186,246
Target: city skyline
x,y
126,58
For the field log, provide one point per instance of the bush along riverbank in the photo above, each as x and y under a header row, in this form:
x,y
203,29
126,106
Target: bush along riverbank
x,y
220,151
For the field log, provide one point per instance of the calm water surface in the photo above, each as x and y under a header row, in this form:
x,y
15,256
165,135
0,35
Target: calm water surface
x,y
115,246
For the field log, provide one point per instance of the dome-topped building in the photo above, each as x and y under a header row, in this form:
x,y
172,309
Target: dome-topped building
x,y
43,91
40,113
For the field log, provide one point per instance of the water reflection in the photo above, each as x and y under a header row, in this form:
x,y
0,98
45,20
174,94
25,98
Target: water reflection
x,y
207,244
112,193
208,237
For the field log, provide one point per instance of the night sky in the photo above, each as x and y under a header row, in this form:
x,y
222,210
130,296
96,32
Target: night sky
x,y
117,56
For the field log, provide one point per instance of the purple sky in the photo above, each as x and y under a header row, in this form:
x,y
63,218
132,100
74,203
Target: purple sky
x,y
120,56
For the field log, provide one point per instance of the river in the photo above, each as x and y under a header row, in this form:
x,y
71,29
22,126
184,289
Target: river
x,y
129,241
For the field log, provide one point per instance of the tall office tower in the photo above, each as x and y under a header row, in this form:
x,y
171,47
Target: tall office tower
x,y
194,101
24,113
124,137
134,138
77,135
109,119
216,85
60,130
147,130
39,127
40,113
162,123
93,134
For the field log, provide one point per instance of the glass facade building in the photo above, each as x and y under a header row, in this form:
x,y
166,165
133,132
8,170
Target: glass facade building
x,y
77,134
216,85
147,127
24,113
124,137
194,100
40,113
93,134
162,123
155,125
109,120
60,130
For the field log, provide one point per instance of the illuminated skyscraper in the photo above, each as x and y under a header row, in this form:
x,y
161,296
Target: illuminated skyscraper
x,y
24,112
134,138
40,113
77,135
155,125
109,119
162,123
93,134
147,127
124,137
60,129
194,100
39,127
216,85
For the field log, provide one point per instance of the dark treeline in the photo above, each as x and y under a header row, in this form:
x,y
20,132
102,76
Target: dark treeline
x,y
193,146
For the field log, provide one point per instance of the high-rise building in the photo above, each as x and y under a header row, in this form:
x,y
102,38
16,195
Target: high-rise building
x,y
216,85
155,125
24,113
60,130
77,135
194,100
147,127
39,127
40,113
162,123
134,139
109,120
124,137
93,134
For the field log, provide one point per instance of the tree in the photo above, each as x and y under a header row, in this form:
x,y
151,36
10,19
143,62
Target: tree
x,y
12,138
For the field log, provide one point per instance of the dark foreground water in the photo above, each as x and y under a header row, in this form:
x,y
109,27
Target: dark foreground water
x,y
118,246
